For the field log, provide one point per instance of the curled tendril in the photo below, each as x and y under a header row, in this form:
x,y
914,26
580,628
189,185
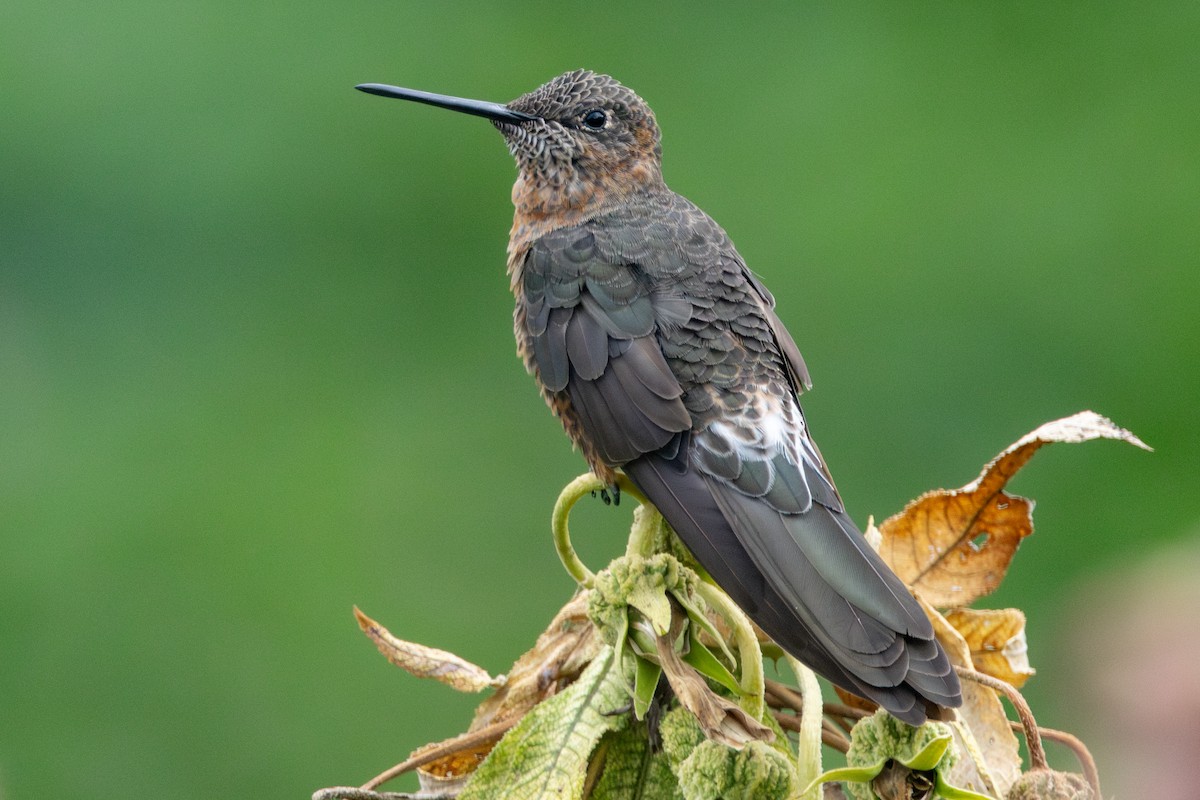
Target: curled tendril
x,y
583,485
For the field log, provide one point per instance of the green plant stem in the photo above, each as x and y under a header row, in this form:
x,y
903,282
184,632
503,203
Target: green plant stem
x,y
647,525
751,677
808,746
830,736
586,484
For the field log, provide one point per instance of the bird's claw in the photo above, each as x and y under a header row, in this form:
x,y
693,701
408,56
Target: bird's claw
x,y
610,495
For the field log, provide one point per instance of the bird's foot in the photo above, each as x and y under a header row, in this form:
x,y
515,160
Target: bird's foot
x,y
610,495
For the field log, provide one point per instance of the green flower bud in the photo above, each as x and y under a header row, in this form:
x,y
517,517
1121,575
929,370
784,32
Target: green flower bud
x,y
756,772
680,735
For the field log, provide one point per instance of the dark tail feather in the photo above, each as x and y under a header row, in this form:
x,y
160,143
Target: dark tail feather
x,y
750,550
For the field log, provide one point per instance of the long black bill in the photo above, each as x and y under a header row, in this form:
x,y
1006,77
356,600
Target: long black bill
x,y
480,108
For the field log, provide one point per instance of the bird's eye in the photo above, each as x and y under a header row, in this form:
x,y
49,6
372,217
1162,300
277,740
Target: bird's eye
x,y
595,119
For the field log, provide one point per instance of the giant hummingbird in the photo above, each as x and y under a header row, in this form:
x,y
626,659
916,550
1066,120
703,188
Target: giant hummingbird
x,y
663,356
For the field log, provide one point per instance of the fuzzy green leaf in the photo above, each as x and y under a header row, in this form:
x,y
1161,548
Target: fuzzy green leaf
x,y
546,755
756,772
632,772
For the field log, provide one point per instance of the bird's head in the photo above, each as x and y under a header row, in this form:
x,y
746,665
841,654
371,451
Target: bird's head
x,y
579,140
586,125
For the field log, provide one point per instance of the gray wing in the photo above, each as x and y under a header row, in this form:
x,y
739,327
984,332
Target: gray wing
x,y
591,327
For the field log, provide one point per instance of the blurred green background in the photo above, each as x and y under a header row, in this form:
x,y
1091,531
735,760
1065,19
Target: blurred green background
x,y
256,361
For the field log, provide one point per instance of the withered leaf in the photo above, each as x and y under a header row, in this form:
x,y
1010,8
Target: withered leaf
x,y
560,654
721,719
996,638
854,701
953,546
447,775
426,662
982,712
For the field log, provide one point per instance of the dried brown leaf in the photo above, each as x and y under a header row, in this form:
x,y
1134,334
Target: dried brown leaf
x,y
560,654
721,719
854,701
449,774
425,662
996,638
982,712
953,546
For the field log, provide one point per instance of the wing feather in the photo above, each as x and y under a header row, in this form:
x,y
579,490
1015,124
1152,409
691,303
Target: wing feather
x,y
597,346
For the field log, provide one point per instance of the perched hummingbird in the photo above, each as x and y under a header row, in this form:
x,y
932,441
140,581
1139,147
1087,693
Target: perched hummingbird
x,y
662,355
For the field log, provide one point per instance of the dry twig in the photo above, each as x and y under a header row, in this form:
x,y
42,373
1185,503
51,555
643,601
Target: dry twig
x,y
1029,726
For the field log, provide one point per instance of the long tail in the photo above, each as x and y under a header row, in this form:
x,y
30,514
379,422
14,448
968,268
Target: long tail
x,y
781,569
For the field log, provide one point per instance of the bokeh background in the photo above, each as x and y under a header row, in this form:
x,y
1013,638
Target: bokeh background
x,y
256,362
